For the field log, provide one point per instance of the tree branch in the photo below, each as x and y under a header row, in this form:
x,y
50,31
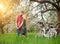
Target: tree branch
x,y
34,7
56,6
45,5
58,1
48,10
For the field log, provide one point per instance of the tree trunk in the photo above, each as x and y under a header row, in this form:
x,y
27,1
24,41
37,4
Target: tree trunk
x,y
2,31
58,12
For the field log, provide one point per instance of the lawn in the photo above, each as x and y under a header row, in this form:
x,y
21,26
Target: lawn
x,y
30,39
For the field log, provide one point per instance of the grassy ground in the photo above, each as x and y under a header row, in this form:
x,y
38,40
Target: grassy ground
x,y
30,39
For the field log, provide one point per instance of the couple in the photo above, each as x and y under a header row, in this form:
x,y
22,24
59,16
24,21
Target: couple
x,y
21,24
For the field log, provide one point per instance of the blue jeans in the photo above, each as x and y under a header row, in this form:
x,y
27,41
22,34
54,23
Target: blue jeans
x,y
21,30
17,32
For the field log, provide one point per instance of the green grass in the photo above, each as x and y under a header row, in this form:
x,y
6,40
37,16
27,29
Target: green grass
x,y
30,39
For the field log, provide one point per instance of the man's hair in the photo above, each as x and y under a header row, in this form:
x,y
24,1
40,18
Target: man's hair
x,y
21,12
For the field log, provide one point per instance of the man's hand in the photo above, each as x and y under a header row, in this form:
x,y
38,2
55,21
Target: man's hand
x,y
17,27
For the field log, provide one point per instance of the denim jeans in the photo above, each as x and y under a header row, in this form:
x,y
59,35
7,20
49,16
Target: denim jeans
x,y
17,32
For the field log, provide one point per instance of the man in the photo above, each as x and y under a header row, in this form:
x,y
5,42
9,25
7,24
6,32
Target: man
x,y
21,24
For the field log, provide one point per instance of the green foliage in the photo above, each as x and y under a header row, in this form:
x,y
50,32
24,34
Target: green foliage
x,y
30,39
32,27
